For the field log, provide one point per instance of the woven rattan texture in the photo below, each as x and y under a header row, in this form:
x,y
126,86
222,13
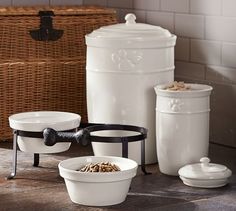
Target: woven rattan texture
x,y
44,75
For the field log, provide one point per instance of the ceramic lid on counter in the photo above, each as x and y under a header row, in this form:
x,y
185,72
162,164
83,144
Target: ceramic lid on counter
x,y
205,174
131,34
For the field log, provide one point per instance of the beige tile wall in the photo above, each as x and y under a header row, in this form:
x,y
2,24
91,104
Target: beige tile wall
x,y
205,50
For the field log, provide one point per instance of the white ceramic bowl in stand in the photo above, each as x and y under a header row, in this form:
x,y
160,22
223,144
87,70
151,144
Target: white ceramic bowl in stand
x,y
37,122
97,188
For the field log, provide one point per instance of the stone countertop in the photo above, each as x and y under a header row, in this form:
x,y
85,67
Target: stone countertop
x,y
41,188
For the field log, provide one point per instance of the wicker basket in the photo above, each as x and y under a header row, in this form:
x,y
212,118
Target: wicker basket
x,y
45,75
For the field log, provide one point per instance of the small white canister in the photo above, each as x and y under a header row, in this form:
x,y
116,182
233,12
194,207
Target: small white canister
x,y
182,126
124,62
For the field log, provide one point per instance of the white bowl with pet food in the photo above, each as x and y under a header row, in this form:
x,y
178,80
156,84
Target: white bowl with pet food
x,y
37,122
97,188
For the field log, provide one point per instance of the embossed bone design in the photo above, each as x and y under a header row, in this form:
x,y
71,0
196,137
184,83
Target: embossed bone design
x,y
176,104
126,60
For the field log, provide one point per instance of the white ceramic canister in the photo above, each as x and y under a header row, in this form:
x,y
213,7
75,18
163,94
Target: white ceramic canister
x,y
124,62
182,126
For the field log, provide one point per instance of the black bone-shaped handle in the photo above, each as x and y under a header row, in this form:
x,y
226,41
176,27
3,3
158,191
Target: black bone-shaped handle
x,y
51,137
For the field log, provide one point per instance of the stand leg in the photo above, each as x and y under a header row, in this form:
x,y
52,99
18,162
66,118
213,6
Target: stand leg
x,y
143,157
125,149
14,161
36,160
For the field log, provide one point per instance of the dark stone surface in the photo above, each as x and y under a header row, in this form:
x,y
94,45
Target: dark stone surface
x,y
41,188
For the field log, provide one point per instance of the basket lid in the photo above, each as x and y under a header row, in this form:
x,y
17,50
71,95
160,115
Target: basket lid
x,y
57,10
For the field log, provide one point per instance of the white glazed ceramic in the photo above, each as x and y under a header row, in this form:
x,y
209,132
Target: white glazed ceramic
x,y
37,122
97,189
205,174
182,126
124,63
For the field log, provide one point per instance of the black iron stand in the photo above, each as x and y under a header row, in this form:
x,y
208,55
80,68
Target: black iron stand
x,y
90,127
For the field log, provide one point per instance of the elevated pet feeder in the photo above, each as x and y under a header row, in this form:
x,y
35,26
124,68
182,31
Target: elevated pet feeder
x,y
48,132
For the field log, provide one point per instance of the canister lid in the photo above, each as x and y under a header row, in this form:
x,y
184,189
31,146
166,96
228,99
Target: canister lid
x,y
205,174
131,34
195,90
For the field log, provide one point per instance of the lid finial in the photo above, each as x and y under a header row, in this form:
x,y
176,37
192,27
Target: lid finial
x,y
130,18
205,161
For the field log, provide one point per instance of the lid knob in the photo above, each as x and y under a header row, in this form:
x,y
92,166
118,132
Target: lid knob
x,y
205,161
130,18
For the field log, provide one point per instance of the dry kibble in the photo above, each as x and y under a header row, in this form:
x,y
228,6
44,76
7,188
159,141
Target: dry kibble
x,y
100,167
178,86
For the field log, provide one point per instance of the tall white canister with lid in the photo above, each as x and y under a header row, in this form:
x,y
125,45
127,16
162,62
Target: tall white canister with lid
x,y
182,126
124,62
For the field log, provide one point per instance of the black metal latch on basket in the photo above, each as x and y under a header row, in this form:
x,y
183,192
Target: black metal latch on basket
x,y
46,32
